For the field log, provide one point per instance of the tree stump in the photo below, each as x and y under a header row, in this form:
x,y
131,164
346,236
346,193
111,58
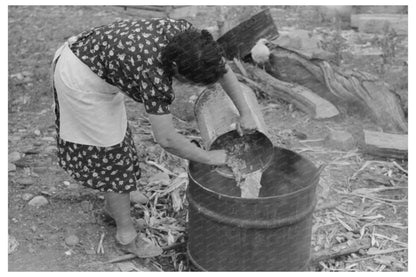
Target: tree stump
x,y
348,90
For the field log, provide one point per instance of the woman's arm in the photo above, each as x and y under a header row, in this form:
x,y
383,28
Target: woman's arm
x,y
177,144
232,87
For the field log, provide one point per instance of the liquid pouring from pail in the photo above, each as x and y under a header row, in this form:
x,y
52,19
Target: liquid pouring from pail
x,y
249,183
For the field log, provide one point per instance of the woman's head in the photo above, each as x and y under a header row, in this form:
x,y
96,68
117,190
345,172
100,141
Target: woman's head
x,y
196,56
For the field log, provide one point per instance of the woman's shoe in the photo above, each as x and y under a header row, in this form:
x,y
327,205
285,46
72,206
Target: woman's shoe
x,y
140,247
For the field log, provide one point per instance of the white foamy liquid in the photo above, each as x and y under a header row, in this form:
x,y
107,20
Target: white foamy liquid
x,y
250,186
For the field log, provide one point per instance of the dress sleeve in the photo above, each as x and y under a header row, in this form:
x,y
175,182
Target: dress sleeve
x,y
157,93
155,86
183,25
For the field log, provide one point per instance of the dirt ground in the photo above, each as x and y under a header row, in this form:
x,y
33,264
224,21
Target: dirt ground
x,y
359,196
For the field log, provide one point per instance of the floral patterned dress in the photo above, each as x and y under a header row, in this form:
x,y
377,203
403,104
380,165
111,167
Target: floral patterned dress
x,y
126,55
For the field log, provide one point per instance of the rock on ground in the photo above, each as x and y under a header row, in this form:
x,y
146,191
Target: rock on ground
x,y
25,181
341,140
27,196
138,197
71,240
73,186
14,156
38,201
37,132
11,167
13,244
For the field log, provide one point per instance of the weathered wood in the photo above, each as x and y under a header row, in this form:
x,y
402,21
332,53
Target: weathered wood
x,y
302,97
258,89
382,103
376,23
380,9
238,41
386,145
341,249
148,7
354,91
299,76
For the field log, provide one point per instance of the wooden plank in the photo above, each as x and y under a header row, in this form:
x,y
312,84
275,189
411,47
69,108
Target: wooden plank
x,y
238,41
376,23
380,9
386,145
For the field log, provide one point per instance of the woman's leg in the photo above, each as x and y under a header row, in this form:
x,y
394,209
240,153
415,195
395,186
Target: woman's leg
x,y
119,208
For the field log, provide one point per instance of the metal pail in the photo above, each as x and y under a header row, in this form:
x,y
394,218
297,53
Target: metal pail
x,y
216,117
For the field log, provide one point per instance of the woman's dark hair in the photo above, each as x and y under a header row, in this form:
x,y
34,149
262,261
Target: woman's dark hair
x,y
197,56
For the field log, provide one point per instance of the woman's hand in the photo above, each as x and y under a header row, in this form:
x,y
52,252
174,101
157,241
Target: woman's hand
x,y
246,124
177,144
217,157
231,86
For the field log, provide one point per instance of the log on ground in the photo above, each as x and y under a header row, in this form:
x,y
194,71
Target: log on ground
x,y
386,145
302,97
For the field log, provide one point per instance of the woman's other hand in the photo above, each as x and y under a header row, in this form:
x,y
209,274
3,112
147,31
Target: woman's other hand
x,y
246,124
218,157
